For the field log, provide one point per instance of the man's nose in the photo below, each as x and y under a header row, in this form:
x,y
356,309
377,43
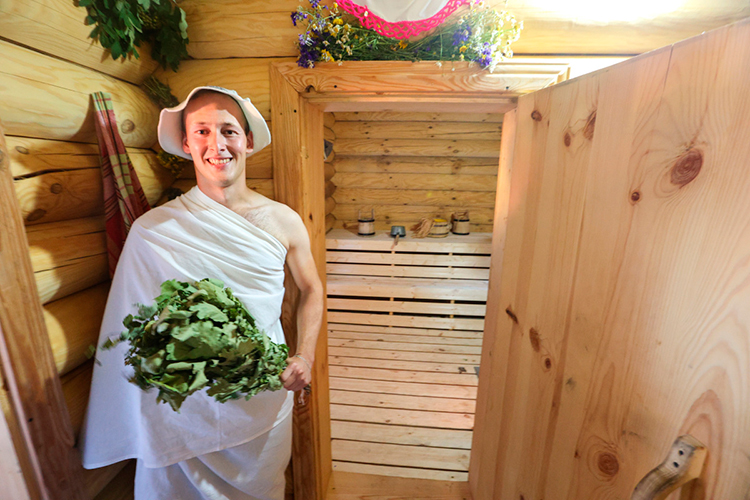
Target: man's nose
x,y
218,142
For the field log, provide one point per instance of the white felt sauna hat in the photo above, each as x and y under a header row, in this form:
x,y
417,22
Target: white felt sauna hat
x,y
170,123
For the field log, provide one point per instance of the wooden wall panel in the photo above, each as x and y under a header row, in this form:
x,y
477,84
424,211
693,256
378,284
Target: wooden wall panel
x,y
57,180
406,170
57,27
47,98
259,28
625,278
298,169
27,361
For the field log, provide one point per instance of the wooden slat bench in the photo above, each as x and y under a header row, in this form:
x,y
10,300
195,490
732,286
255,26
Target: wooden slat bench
x,y
405,334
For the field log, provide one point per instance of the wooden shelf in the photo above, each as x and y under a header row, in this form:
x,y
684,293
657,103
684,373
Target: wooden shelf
x,y
475,243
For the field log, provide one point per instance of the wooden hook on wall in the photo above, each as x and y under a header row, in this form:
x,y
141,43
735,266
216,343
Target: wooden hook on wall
x,y
684,463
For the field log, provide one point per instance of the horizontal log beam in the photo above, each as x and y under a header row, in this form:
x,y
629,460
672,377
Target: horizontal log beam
x,y
330,205
58,28
262,29
415,197
249,77
73,325
396,116
54,284
419,147
76,385
56,180
418,130
438,182
388,213
48,98
417,164
419,78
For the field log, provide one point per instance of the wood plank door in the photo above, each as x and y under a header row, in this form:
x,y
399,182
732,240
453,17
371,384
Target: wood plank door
x,y
623,309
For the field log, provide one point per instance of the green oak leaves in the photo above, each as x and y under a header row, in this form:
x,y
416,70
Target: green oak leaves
x,y
199,335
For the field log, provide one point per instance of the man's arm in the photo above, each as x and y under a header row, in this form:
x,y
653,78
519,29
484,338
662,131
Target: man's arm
x,y
310,310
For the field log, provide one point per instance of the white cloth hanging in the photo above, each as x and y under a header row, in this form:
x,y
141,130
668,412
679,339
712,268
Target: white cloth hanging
x,y
232,474
188,239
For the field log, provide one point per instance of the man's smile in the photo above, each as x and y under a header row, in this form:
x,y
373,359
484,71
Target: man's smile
x,y
218,161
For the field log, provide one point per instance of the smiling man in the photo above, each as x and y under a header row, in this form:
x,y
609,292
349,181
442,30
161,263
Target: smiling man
x,y
220,229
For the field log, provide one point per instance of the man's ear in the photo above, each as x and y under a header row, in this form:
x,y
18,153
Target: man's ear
x,y
250,142
185,146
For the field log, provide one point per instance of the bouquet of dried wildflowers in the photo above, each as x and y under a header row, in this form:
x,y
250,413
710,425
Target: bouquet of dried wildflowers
x,y
479,34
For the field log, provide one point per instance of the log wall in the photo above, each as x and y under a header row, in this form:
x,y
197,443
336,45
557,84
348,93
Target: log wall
x,y
407,166
49,69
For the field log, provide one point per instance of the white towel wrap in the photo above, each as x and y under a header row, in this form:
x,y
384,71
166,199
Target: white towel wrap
x,y
188,239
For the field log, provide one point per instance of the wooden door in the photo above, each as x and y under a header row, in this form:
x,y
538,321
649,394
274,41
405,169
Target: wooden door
x,y
623,306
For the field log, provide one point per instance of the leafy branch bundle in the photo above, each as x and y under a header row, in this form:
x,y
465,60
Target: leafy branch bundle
x,y
199,335
121,26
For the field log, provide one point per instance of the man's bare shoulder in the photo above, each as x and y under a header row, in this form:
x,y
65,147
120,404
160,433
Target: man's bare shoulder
x,y
278,219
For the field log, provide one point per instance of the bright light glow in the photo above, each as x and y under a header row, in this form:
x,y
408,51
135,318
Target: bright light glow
x,y
603,11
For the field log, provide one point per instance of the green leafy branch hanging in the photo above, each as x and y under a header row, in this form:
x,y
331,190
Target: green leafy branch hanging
x,y
122,25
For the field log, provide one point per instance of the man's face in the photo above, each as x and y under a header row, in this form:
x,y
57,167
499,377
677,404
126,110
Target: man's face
x,y
215,138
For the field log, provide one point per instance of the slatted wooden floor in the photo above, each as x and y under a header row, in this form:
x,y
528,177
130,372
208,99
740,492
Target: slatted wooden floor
x,y
403,354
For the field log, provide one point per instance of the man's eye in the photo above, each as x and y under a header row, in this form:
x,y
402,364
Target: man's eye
x,y
230,132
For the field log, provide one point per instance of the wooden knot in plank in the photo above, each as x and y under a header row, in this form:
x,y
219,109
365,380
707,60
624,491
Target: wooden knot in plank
x,y
536,116
36,215
56,188
127,126
588,129
687,167
511,315
22,150
608,464
534,338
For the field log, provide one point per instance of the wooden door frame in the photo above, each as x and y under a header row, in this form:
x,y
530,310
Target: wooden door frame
x,y
299,97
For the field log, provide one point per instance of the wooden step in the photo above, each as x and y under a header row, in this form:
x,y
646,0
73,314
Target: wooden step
x,y
400,455
401,365
405,346
413,418
469,359
400,306
399,434
479,243
398,337
438,476
393,401
408,259
413,288
348,327
404,388
409,272
385,319
465,379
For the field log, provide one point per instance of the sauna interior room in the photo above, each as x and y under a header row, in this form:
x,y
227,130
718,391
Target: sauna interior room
x,y
530,218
